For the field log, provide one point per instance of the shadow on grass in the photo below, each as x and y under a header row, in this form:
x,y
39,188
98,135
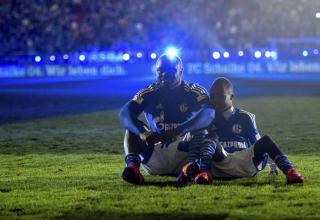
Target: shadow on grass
x,y
246,182
161,183
88,214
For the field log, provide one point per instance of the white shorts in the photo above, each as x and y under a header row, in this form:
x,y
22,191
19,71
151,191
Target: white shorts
x,y
237,164
166,160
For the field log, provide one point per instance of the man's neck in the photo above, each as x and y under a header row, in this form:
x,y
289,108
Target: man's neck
x,y
176,85
228,112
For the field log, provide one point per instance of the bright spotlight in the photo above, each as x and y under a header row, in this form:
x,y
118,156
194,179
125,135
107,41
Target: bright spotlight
x,y
139,54
216,55
226,55
318,15
257,54
172,51
274,55
126,57
37,59
267,54
65,56
82,57
316,51
52,58
240,53
153,56
305,53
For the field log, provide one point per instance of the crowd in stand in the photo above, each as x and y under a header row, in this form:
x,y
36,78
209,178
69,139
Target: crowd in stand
x,y
59,26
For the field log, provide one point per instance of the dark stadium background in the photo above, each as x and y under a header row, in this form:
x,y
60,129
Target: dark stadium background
x,y
126,34
67,66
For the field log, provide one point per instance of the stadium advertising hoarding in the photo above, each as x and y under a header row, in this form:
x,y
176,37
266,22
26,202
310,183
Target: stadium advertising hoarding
x,y
140,69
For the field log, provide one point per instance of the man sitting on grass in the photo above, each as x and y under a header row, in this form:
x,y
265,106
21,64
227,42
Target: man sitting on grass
x,y
231,146
166,105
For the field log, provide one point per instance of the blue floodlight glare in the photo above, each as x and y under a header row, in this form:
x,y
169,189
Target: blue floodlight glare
x,y
216,55
267,54
226,55
153,56
125,56
240,53
172,51
52,58
274,55
257,54
65,56
82,57
139,54
102,56
316,51
94,57
305,53
37,59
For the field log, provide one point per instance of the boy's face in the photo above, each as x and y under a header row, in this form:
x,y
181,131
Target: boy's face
x,y
221,97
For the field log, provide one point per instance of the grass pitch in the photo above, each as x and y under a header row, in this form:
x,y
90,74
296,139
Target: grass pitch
x,y
69,168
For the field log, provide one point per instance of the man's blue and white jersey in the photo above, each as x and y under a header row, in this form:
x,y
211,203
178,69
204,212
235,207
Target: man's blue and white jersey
x,y
166,109
236,132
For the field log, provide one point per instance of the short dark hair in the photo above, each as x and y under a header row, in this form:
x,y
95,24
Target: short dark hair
x,y
222,81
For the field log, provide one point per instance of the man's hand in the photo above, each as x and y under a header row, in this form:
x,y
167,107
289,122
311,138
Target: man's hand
x,y
153,138
150,137
163,137
169,135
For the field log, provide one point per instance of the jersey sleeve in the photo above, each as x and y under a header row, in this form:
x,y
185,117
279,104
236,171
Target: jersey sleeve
x,y
200,95
200,120
130,112
252,132
144,95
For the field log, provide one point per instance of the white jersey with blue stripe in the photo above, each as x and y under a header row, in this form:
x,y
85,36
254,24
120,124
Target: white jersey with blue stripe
x,y
235,131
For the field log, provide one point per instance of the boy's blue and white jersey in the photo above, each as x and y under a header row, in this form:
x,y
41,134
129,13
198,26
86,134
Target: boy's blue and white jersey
x,y
165,110
237,132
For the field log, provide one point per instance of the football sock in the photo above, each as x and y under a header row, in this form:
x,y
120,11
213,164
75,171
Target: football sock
x,y
206,153
133,158
195,145
283,163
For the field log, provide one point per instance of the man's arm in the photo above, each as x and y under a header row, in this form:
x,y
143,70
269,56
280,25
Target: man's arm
x,y
128,116
204,113
202,119
252,130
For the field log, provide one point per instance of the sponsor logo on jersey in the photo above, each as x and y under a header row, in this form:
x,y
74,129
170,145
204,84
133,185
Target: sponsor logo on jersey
x,y
167,126
184,107
236,128
234,144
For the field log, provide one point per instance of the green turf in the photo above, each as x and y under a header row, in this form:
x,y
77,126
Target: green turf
x,y
69,168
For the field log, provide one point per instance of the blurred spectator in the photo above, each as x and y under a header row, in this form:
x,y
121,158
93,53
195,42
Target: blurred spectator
x,y
29,27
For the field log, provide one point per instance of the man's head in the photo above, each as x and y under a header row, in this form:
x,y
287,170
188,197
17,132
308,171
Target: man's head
x,y
221,94
169,71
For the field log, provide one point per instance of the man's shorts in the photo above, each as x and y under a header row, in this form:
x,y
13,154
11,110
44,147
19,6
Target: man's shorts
x,y
238,164
165,160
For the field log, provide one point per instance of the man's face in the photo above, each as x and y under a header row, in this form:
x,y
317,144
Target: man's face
x,y
221,97
168,77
